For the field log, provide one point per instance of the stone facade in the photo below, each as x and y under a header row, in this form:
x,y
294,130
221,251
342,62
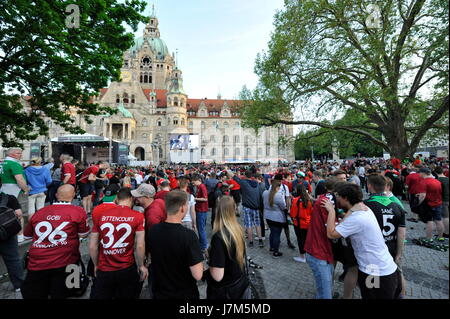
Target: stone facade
x,y
152,105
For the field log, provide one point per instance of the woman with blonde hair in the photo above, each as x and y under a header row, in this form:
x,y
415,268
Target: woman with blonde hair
x,y
38,180
227,277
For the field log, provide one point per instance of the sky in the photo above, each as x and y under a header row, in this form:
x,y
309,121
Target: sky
x,y
217,41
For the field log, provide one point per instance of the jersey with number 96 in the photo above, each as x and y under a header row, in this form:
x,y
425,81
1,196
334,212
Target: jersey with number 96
x,y
55,230
117,229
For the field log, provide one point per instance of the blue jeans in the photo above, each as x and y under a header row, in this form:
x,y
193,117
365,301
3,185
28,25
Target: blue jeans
x,y
201,227
9,250
275,234
323,274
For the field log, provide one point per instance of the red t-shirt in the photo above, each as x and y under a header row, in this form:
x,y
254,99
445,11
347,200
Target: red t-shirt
x,y
55,230
414,182
396,163
317,243
433,188
173,183
155,213
201,207
68,168
117,228
90,170
161,195
233,182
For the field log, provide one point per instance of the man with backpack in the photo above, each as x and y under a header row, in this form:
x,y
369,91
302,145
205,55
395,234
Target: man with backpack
x,y
9,247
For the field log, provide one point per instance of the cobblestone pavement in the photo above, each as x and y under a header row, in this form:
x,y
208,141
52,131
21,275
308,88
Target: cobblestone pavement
x,y
425,270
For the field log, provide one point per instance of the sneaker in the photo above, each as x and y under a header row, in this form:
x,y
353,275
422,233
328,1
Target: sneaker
x,y
18,294
20,239
250,244
300,259
441,239
277,254
261,244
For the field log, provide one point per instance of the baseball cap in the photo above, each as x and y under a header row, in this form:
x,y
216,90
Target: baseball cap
x,y
110,193
144,190
301,174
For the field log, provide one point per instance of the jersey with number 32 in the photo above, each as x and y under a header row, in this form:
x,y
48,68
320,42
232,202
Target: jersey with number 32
x,y
55,230
117,229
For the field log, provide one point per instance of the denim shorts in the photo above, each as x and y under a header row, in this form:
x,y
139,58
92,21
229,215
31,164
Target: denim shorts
x,y
436,213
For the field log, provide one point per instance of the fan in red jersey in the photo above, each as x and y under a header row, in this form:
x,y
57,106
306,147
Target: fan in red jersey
x,y
111,247
55,230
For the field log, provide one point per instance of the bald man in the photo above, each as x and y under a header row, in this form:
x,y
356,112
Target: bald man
x,y
55,230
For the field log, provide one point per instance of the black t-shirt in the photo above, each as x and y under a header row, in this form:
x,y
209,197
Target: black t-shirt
x,y
12,203
173,249
220,258
390,217
444,182
320,188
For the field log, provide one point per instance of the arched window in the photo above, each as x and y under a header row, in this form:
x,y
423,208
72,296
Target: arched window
x,y
213,152
236,138
203,151
159,122
169,101
238,151
191,124
132,98
226,125
145,78
125,98
175,101
175,121
203,124
225,151
225,139
182,122
202,113
144,122
248,151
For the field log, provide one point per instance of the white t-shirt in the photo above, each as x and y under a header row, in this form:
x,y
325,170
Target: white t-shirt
x,y
361,171
138,178
368,243
284,190
188,218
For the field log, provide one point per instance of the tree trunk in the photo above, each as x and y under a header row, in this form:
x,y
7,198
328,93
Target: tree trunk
x,y
395,136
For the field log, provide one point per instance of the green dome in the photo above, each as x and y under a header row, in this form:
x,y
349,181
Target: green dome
x,y
156,45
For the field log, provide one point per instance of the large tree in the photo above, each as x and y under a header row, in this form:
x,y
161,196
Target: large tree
x,y
59,56
386,60
322,141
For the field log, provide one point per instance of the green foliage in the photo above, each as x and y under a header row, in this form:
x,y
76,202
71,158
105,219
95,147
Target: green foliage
x,y
56,66
326,58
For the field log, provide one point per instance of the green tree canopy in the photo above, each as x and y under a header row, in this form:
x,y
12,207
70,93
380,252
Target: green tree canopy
x,y
326,57
56,65
321,140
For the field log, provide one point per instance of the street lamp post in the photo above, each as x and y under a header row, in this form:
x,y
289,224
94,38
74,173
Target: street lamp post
x,y
110,143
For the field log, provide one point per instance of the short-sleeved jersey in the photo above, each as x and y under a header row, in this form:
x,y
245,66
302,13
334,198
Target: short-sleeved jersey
x,y
433,190
117,229
55,230
390,217
68,168
8,169
90,170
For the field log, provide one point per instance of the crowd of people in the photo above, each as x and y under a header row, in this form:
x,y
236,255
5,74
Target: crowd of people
x,y
151,223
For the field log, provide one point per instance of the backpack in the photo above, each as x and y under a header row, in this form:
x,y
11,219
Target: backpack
x,y
212,196
9,223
